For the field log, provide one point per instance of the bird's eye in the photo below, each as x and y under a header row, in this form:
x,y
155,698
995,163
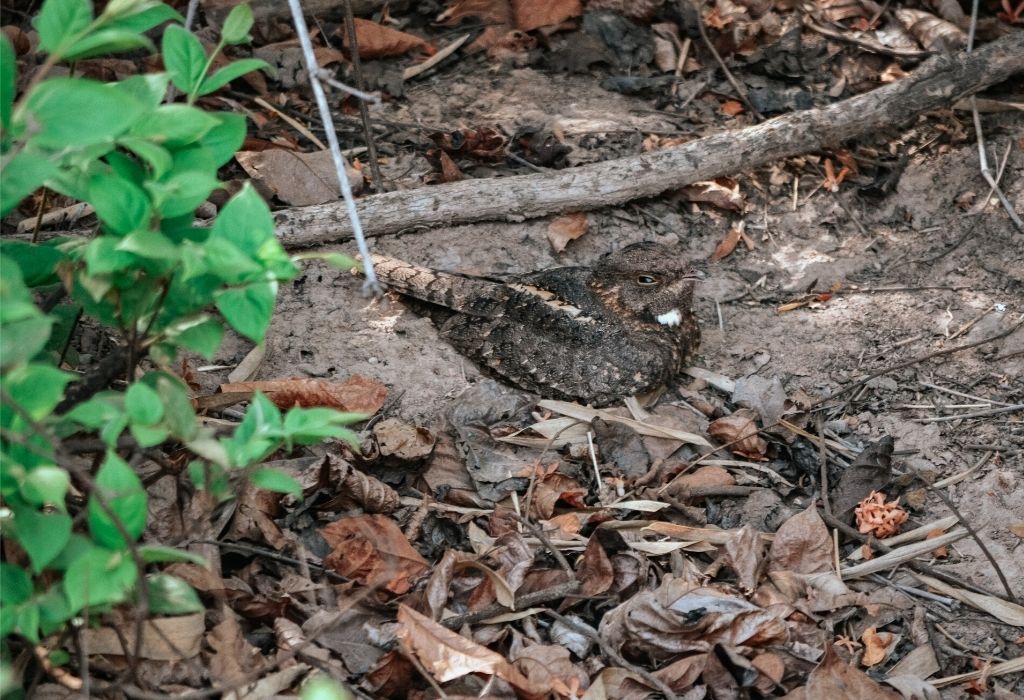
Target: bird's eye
x,y
646,280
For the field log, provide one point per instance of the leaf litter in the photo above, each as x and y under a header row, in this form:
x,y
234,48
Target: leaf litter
x,y
529,528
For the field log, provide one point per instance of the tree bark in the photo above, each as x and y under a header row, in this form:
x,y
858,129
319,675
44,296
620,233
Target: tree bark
x,y
937,83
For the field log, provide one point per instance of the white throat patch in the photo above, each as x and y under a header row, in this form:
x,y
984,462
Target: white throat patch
x,y
670,318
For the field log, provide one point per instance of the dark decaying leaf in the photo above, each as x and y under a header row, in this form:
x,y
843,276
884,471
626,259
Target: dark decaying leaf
x,y
870,471
373,550
802,545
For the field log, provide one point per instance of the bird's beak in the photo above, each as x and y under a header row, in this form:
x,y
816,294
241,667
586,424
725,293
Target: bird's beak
x,y
695,275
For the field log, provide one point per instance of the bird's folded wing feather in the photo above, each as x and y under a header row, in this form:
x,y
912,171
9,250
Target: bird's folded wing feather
x,y
468,295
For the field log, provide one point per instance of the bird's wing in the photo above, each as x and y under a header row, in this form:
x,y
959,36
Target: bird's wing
x,y
467,295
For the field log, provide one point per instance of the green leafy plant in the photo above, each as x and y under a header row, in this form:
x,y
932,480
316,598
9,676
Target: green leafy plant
x,y
161,281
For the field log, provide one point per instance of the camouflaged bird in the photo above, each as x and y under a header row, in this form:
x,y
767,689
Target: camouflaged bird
x,y
595,335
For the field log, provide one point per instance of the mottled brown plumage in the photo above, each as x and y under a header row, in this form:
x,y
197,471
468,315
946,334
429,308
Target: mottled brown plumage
x,y
595,335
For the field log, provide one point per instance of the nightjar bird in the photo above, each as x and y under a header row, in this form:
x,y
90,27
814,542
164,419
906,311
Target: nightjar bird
x,y
595,335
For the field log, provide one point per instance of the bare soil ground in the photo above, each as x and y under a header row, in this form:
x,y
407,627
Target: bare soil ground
x,y
910,238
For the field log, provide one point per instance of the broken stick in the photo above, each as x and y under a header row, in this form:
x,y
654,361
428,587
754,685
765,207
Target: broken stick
x,y
937,83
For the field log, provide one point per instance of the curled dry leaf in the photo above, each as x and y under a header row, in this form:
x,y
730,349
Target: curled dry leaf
x,y
357,394
299,179
568,227
448,655
801,545
933,33
876,647
163,638
403,441
740,429
834,678
356,489
485,143
880,518
680,617
377,41
372,550
534,14
722,192
706,476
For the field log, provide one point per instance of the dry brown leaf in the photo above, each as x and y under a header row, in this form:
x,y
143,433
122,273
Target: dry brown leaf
x,y
722,192
876,647
833,678
354,488
1016,529
448,655
941,552
706,476
403,441
741,430
372,550
596,574
744,552
299,179
727,244
163,638
377,41
233,658
357,394
802,545
534,14
933,33
732,108
882,519
568,227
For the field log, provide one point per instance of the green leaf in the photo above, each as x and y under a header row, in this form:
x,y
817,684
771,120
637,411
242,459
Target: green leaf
x,y
175,125
249,309
102,257
230,72
36,262
153,553
98,577
46,485
182,192
146,19
121,490
184,58
309,425
107,41
148,89
148,436
42,535
150,244
276,481
258,434
22,340
169,595
245,221
120,204
203,336
15,583
37,388
98,411
324,688
237,25
230,263
179,416
338,260
222,141
156,157
8,78
53,610
143,404
74,112
23,174
61,20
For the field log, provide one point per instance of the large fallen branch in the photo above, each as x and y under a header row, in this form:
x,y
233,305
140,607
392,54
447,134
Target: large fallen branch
x,y
939,82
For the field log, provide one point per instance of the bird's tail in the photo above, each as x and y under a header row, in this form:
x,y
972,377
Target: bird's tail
x,y
466,294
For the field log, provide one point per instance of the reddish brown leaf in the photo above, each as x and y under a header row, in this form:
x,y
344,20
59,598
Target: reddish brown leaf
x,y
727,245
802,545
357,394
448,655
706,476
876,647
568,227
534,14
882,519
596,574
732,107
376,40
372,550
722,192
833,678
741,429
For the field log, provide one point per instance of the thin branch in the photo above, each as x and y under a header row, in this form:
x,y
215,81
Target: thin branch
x,y
371,285
364,113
